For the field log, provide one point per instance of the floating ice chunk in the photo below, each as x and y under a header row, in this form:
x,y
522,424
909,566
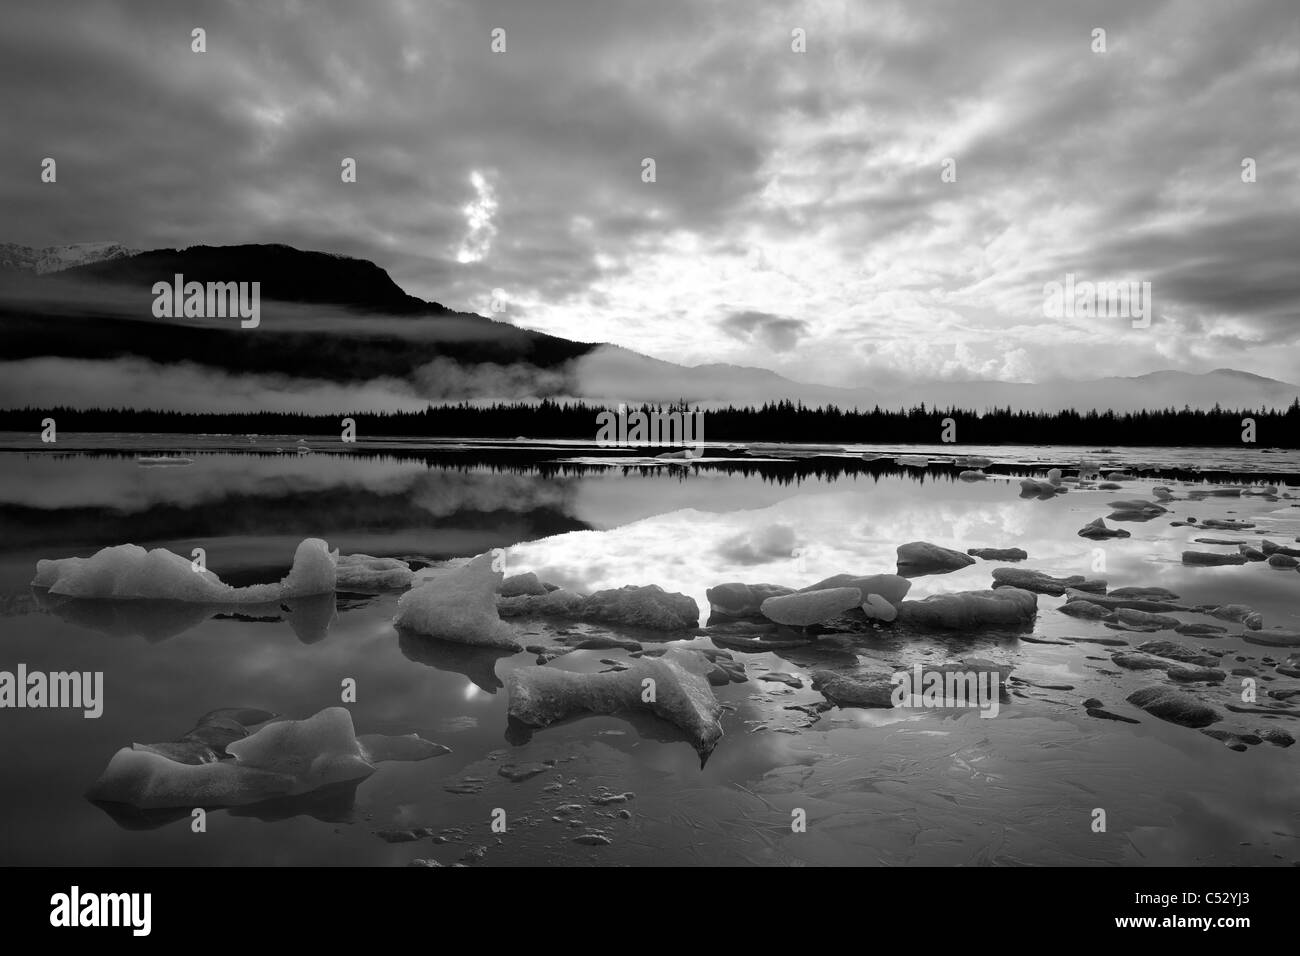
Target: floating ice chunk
x,y
1271,548
526,583
1031,580
674,687
648,606
1032,487
312,571
998,554
969,475
1273,637
892,587
1005,606
1174,706
921,557
363,572
811,607
557,603
735,599
281,758
1212,558
207,742
377,748
1096,530
870,689
129,572
876,608
1240,613
1139,599
458,605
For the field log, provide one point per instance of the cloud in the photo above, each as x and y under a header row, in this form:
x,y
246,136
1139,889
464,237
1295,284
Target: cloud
x,y
777,333
478,218
789,184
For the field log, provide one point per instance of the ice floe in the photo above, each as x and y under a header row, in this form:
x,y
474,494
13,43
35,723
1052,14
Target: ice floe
x,y
673,686
921,557
278,759
964,609
458,605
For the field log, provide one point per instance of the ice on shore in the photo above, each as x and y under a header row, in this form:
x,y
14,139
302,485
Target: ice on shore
x,y
282,758
458,605
673,686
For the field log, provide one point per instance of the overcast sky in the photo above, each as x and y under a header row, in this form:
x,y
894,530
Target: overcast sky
x,y
798,222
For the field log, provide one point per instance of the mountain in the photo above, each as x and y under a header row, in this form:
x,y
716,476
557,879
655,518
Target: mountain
x,y
16,258
285,274
338,320
323,317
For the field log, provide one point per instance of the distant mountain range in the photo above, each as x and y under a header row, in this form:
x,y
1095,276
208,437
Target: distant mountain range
x,y
343,320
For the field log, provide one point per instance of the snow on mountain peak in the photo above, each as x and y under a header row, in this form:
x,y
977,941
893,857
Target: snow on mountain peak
x,y
58,258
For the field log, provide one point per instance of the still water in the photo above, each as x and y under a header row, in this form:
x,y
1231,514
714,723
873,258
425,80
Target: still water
x,y
877,786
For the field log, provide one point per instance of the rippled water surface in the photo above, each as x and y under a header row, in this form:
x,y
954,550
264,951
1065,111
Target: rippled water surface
x,y
878,786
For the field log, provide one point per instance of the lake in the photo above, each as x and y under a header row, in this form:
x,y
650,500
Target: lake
x,y
877,786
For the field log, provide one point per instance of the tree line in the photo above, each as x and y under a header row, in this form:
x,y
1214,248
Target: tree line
x,y
782,421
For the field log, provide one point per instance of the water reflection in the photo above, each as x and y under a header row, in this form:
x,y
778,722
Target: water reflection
x,y
880,786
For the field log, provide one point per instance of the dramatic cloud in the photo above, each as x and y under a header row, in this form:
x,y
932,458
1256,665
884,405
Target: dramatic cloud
x,y
777,333
805,189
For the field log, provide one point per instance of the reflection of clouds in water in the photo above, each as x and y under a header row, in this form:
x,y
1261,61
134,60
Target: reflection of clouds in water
x,y
608,499
852,527
47,482
759,545
691,550
481,489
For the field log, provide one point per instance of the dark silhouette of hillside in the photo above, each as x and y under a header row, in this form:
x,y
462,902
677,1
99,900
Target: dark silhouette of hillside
x,y
772,422
286,274
104,310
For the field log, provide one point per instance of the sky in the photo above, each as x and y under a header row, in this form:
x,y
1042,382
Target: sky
x,y
799,219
